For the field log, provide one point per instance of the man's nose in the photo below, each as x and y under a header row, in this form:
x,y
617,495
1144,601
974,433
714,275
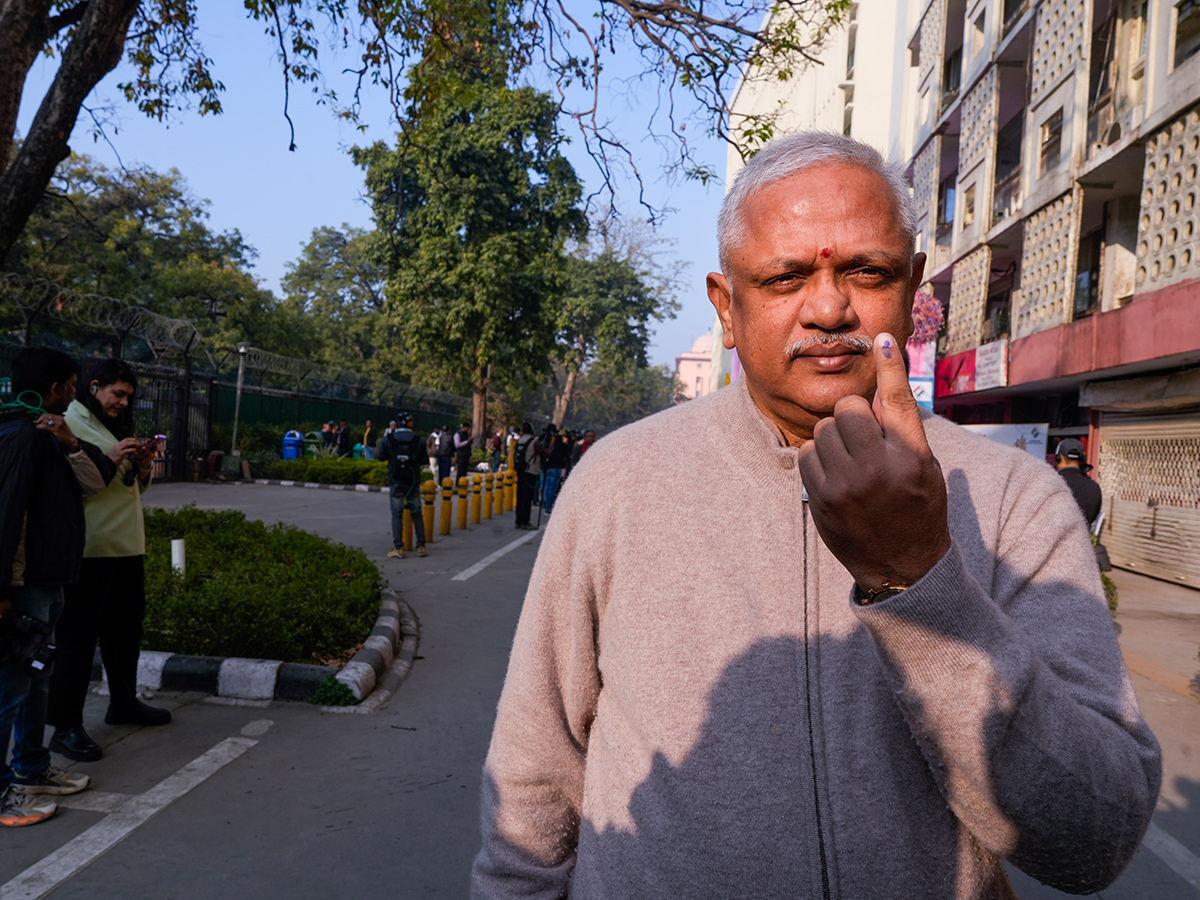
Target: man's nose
x,y
826,303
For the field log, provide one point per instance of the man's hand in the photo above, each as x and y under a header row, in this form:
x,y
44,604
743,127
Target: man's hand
x,y
57,426
875,489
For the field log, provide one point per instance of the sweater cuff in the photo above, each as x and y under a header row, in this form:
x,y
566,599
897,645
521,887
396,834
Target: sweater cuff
x,y
942,624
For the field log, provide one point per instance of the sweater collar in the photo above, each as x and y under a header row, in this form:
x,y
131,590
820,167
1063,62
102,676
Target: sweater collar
x,y
754,438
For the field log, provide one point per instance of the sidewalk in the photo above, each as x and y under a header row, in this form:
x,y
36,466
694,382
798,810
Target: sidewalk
x,y
1158,627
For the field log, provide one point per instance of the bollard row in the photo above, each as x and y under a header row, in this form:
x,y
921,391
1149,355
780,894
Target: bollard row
x,y
479,497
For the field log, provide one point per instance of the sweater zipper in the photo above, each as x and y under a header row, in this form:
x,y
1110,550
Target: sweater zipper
x,y
812,741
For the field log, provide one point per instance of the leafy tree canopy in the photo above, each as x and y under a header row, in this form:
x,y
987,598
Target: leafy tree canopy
x,y
692,47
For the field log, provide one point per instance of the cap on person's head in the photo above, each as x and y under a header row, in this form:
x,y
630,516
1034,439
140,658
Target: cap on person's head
x,y
404,417
526,428
1069,448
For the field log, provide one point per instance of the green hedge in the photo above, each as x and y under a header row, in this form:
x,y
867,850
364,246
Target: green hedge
x,y
328,471
254,591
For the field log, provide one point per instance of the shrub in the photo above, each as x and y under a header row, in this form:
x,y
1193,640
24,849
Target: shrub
x,y
327,471
254,591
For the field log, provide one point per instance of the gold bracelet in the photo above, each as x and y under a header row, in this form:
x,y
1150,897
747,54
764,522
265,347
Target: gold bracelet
x,y
888,589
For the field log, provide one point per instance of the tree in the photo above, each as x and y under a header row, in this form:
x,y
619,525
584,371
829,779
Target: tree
x,y
607,398
472,209
339,289
139,236
683,45
604,313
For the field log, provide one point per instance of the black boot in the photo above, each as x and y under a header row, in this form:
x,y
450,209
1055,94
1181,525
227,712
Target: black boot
x,y
74,743
136,713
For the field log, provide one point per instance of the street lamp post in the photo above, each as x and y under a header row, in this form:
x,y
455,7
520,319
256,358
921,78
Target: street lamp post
x,y
242,347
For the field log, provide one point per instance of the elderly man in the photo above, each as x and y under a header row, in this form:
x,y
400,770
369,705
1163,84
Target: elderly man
x,y
868,658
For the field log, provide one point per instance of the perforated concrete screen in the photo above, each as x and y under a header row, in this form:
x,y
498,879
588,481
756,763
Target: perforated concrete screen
x,y
925,184
1057,45
1048,265
1167,238
933,39
968,301
979,111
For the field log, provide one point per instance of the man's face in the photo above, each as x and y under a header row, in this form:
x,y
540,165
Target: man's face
x,y
589,437
823,259
61,395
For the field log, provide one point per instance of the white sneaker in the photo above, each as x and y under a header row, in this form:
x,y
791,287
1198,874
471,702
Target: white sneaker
x,y
17,809
52,781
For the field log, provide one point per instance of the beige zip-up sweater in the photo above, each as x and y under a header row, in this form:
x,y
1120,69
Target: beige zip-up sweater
x,y
695,708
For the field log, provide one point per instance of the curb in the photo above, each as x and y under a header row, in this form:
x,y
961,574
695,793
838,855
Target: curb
x,y
381,665
361,488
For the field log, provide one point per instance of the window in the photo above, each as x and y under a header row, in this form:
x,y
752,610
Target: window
x,y
952,72
1187,30
1051,142
977,35
848,119
1137,35
945,210
968,215
850,54
698,382
1087,273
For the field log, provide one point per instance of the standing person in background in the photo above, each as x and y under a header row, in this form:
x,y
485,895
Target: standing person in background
x,y
445,453
405,453
556,463
44,472
528,462
370,439
497,446
431,448
581,447
462,451
328,434
109,602
345,443
1070,460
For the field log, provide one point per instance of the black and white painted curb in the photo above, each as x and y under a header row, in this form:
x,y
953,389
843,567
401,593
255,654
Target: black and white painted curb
x,y
361,488
377,669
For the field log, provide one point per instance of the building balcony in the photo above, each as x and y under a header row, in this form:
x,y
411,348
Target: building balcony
x,y
1006,198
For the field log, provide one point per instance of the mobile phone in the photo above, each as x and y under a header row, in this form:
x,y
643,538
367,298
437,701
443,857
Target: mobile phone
x,y
150,441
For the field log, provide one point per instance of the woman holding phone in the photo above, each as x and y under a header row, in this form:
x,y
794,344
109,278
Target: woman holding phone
x,y
109,602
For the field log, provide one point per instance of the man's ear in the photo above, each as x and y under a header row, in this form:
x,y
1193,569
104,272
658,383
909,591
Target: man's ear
x,y
721,295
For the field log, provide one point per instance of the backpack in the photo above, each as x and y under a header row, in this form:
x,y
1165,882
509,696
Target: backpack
x,y
525,458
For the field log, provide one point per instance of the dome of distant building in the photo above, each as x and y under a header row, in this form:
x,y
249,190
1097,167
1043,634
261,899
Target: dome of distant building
x,y
693,366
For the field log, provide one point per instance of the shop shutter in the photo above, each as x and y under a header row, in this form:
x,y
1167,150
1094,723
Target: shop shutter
x,y
1149,470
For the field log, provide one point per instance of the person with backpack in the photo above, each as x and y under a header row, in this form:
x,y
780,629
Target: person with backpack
x,y
528,461
405,453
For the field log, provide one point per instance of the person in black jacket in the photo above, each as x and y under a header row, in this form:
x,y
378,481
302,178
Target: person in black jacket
x,y
1071,461
44,473
405,453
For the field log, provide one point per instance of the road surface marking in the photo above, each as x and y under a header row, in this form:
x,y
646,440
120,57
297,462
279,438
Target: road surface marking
x,y
491,558
94,801
1185,863
44,876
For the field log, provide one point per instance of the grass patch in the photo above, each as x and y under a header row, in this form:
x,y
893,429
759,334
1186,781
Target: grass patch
x,y
254,591
332,692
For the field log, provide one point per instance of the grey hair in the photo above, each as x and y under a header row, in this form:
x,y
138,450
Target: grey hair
x,y
787,156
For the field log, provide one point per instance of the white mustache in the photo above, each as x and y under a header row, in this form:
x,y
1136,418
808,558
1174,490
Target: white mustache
x,y
859,342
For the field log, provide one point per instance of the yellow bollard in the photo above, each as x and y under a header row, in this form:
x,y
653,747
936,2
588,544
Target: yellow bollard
x,y
447,493
510,489
476,497
488,485
408,530
498,493
462,503
428,496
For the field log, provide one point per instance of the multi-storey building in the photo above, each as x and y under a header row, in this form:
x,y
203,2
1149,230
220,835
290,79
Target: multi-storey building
x,y
1055,162
692,367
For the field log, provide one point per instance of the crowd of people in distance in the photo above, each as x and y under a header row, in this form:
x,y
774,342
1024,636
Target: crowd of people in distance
x,y
72,545
542,463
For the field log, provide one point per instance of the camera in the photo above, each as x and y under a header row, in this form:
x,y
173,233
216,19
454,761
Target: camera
x,y
27,641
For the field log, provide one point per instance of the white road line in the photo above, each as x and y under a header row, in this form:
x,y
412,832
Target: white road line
x,y
93,801
491,558
44,876
1185,863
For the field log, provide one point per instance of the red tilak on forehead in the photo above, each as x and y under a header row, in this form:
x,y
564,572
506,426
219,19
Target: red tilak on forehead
x,y
826,253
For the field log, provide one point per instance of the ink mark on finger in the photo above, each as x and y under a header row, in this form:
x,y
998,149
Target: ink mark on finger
x,y
887,349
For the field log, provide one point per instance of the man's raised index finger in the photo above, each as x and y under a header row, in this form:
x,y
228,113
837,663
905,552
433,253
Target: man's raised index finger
x,y
895,406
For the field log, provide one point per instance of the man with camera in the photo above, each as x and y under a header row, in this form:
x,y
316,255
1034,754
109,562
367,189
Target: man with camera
x,y
44,473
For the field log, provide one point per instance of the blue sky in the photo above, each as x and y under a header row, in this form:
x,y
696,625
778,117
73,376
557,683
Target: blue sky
x,y
239,161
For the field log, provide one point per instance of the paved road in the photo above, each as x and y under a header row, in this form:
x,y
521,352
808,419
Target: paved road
x,y
283,801
322,804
